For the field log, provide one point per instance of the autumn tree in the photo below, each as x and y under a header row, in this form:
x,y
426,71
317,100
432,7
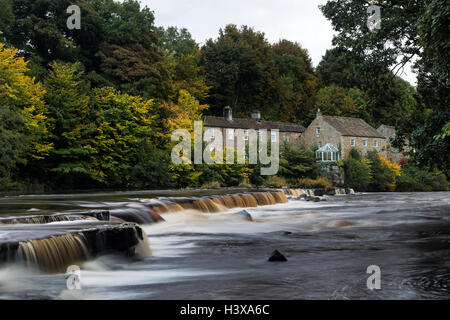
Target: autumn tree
x,y
23,125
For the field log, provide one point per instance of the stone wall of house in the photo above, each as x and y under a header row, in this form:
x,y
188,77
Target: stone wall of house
x,y
327,134
359,145
294,137
392,153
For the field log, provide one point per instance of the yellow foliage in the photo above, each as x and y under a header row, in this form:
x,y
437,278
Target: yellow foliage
x,y
184,112
26,96
395,167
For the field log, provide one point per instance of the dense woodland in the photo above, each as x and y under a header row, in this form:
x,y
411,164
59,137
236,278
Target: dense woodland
x,y
95,108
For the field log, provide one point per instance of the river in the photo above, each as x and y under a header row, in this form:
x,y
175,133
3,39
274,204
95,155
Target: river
x,y
328,244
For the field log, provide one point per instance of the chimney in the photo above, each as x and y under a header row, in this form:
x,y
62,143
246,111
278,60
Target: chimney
x,y
318,114
256,115
228,113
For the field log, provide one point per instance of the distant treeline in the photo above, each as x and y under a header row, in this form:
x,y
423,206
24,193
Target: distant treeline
x,y
95,107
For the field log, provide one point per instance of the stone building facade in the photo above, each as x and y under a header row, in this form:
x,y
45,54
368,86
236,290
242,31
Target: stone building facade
x,y
343,133
228,126
392,153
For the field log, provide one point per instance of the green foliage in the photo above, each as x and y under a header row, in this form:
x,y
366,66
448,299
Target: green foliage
x,y
337,101
240,68
358,173
355,154
296,162
178,42
297,82
68,112
415,30
383,176
415,179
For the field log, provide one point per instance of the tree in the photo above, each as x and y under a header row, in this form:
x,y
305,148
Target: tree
x,y
338,101
241,70
69,115
413,30
297,84
296,162
137,67
338,67
121,126
174,41
22,98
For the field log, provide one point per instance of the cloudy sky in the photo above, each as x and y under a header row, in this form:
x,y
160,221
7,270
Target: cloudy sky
x,y
295,20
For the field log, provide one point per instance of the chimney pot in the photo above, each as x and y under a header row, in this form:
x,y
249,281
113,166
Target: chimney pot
x,y
228,113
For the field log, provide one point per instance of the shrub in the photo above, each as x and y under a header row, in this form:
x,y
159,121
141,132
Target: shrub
x,y
309,183
275,182
355,154
415,179
358,173
383,175
211,185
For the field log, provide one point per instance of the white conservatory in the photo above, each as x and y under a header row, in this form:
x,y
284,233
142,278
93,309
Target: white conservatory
x,y
328,153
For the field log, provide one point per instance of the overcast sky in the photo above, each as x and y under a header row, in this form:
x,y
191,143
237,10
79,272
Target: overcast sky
x,y
295,20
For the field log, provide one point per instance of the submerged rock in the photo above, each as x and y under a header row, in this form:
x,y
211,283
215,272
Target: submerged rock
x,y
277,257
244,214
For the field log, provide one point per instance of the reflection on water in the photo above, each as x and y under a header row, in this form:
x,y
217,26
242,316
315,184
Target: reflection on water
x,y
329,246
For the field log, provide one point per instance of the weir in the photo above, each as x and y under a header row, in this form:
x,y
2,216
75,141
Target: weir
x,y
51,248
50,243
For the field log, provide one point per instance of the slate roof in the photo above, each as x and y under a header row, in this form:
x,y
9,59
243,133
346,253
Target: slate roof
x,y
237,123
352,127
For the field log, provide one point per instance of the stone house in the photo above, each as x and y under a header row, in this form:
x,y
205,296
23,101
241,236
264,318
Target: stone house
x,y
392,153
228,125
336,136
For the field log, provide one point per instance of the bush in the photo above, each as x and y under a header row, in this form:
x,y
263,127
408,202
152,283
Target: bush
x,y
211,185
358,174
275,182
355,154
296,162
415,179
383,176
309,183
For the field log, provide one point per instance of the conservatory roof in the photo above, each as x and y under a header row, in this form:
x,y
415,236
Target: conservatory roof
x,y
328,148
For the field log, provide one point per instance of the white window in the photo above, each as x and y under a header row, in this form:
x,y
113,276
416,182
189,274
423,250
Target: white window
x,y
320,144
353,143
230,134
245,134
375,143
364,143
273,136
317,132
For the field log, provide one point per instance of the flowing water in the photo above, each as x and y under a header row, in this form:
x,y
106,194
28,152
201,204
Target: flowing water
x,y
223,255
